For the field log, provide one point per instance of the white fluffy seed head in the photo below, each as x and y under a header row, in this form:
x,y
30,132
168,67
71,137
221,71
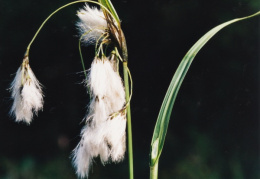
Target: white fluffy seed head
x,y
92,24
104,81
26,93
107,90
112,133
90,146
106,140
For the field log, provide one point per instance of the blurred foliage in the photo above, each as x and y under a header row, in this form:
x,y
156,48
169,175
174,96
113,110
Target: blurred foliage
x,y
29,168
204,161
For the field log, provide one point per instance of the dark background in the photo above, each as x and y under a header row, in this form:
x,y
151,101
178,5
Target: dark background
x,y
214,128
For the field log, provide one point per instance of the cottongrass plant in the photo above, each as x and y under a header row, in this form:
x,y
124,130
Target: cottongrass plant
x,y
26,93
103,134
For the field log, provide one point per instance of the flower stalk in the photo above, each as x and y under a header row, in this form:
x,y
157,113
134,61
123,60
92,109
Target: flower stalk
x,y
129,124
54,12
124,51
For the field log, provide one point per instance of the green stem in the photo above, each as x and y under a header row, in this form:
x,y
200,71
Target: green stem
x,y
81,58
129,125
154,171
74,2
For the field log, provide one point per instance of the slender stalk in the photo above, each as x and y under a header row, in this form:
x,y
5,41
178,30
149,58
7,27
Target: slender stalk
x,y
81,58
129,125
154,171
74,2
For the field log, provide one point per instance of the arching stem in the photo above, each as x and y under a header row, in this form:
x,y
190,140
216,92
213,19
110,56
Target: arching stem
x,y
74,2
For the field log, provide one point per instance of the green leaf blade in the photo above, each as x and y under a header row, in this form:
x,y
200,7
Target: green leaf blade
x,y
162,122
110,7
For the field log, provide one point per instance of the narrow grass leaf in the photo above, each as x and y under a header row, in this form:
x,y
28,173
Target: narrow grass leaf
x,y
169,99
110,7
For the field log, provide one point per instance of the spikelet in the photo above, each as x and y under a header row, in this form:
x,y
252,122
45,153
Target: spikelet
x,y
91,23
26,93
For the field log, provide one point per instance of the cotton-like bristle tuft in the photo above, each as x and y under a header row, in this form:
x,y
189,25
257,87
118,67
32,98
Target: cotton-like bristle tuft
x,y
27,94
90,146
92,24
83,154
103,81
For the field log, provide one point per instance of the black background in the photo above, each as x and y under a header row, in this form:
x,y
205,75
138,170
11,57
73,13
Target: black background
x,y
214,128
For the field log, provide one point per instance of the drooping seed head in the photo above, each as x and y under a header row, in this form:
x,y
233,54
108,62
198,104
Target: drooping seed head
x,y
26,93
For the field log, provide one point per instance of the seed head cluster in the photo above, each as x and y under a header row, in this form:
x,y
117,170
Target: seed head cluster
x,y
104,132
103,135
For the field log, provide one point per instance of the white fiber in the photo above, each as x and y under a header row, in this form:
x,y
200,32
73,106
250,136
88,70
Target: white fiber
x,y
27,95
91,24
